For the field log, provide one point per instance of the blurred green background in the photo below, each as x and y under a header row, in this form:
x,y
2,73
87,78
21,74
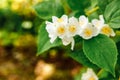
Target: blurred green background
x,y
19,27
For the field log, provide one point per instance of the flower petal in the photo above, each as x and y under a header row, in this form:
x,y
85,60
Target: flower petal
x,y
83,21
65,19
67,41
89,75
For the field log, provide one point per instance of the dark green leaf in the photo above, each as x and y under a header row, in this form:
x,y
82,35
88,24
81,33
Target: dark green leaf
x,y
75,4
102,51
78,5
44,41
94,3
79,56
49,8
112,14
102,4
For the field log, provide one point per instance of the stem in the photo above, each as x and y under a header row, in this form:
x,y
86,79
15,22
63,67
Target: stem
x,y
92,11
100,72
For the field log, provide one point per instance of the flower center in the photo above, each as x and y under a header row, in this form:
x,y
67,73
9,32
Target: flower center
x,y
106,30
88,32
92,78
60,20
61,30
72,29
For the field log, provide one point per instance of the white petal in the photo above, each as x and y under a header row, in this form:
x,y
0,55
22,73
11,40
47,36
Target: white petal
x,y
54,19
65,19
51,31
96,31
89,74
50,28
95,21
52,38
73,20
72,44
113,33
83,21
68,40
101,18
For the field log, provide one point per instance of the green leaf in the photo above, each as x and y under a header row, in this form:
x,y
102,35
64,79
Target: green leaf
x,y
80,57
75,4
102,51
112,14
44,41
49,8
102,4
78,5
94,3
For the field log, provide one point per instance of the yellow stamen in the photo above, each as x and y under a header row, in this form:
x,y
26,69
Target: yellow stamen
x,y
60,20
92,78
88,32
61,30
106,30
72,29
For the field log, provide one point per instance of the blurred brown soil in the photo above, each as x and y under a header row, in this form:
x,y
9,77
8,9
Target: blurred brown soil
x,y
21,63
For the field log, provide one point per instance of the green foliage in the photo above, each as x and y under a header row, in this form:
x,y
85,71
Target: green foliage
x,y
102,51
49,8
79,56
44,42
102,4
75,4
112,14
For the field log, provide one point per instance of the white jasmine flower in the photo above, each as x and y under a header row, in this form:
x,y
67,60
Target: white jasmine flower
x,y
107,30
83,21
89,75
56,28
89,31
73,27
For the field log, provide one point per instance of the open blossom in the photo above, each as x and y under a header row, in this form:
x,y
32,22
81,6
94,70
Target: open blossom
x,y
56,28
107,30
88,32
73,27
89,75
102,27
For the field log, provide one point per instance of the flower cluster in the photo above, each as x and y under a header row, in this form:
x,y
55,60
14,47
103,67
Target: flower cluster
x,y
66,28
89,75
